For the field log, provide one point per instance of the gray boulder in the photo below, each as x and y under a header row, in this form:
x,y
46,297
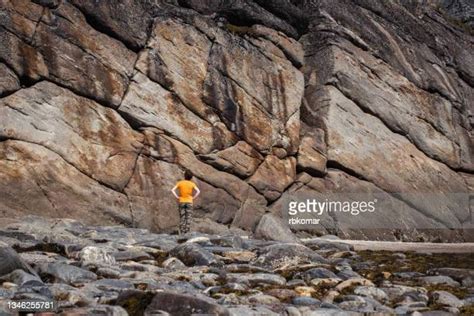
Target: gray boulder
x,y
183,305
64,273
193,254
11,261
271,227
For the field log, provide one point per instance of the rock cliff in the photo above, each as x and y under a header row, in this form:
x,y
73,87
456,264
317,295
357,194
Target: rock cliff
x,y
104,104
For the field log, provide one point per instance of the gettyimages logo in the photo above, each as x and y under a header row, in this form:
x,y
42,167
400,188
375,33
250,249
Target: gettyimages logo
x,y
380,210
319,207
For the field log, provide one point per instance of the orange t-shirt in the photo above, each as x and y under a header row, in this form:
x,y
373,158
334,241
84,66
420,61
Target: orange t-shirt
x,y
185,188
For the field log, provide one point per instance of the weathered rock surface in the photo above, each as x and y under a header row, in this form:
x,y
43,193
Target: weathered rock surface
x,y
103,105
272,227
11,261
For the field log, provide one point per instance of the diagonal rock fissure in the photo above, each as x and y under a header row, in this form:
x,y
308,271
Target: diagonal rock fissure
x,y
135,164
261,107
102,28
43,12
16,109
431,124
4,138
88,53
45,193
178,97
430,90
131,210
368,111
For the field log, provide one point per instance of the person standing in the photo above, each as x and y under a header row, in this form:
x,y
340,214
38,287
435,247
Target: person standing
x,y
188,191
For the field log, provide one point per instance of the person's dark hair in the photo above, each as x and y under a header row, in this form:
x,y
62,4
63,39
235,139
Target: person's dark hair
x,y
188,175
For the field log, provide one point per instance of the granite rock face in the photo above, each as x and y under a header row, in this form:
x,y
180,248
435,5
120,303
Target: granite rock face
x,y
104,105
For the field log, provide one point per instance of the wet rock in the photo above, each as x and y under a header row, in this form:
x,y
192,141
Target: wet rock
x,y
263,299
412,307
372,292
11,261
233,241
193,254
348,274
256,278
111,284
96,310
20,278
238,288
408,275
446,298
134,301
325,282
60,272
131,255
320,273
305,301
455,273
279,254
239,268
69,296
295,283
109,273
332,312
439,279
173,263
250,311
181,304
396,292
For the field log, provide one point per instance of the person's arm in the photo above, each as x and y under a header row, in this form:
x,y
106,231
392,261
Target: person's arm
x,y
174,191
197,192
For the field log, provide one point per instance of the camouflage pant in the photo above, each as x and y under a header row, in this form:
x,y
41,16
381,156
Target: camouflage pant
x,y
185,217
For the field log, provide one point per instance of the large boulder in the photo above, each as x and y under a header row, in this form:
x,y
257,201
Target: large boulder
x,y
272,227
192,254
288,253
64,273
11,261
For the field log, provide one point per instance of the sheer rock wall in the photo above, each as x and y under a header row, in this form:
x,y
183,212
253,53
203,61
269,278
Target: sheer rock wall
x,y
104,104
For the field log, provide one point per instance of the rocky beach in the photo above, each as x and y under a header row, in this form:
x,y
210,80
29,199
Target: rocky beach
x,y
266,109
114,270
